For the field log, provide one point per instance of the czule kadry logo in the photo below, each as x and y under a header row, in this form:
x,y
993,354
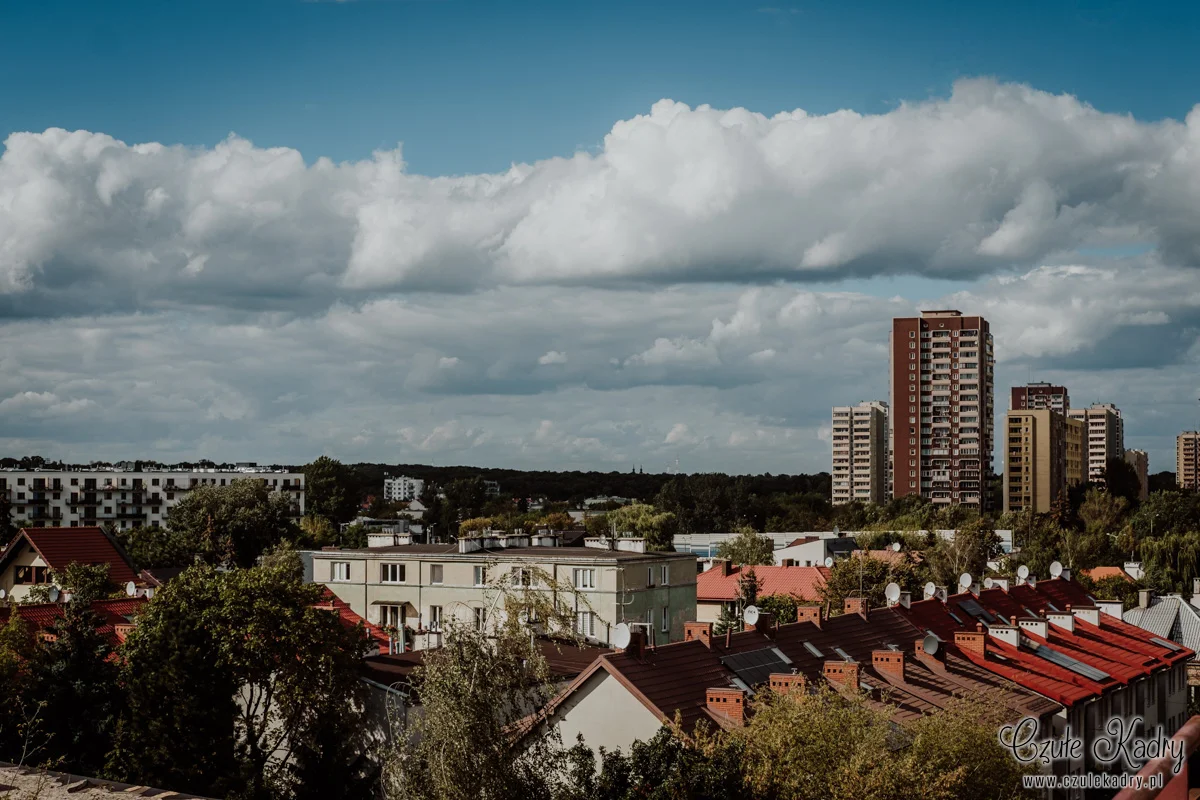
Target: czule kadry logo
x,y
1118,745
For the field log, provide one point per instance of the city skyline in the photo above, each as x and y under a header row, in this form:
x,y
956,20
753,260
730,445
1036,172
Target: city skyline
x,y
645,280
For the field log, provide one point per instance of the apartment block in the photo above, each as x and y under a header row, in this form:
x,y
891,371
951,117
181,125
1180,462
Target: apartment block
x,y
1040,395
416,588
402,489
122,499
1105,437
1187,460
1140,461
860,441
1035,463
942,407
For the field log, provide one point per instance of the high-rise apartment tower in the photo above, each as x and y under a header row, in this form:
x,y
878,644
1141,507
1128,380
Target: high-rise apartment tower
x,y
1040,395
1104,437
860,452
1187,460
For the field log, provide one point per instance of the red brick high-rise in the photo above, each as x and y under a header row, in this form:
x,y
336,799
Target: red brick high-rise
x,y
942,407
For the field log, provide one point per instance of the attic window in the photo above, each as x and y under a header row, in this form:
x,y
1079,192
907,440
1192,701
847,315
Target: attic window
x,y
812,648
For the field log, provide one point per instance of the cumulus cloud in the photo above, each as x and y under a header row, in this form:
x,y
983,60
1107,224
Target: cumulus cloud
x,y
552,357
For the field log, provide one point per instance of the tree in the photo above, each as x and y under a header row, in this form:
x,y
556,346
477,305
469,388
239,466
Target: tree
x,y
474,525
327,491
234,524
265,688
668,766
150,547
1103,512
730,618
782,606
865,576
748,547
641,519
973,545
317,531
557,521
21,737
1121,480
8,528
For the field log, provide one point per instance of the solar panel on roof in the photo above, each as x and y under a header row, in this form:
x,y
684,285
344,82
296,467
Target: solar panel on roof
x,y
756,666
1064,660
812,648
975,610
1164,643
845,656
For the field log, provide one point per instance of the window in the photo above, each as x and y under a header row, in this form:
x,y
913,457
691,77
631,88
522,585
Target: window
x,y
170,495
339,571
480,576
585,578
154,481
435,618
435,574
480,618
391,573
20,481
522,577
25,575
664,575
650,618
74,481
391,616
666,620
585,623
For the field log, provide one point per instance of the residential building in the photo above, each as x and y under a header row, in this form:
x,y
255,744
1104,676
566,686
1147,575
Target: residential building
x,y
1076,460
942,407
860,441
1040,395
812,550
492,487
605,500
1043,650
1035,462
402,489
115,618
415,588
1104,430
1187,460
718,588
1140,461
1173,618
123,499
34,553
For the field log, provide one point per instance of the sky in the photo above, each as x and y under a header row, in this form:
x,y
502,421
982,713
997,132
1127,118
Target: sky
x,y
579,236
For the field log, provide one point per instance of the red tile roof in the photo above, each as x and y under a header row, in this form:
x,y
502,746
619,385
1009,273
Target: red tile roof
x,y
804,583
1100,573
42,616
349,618
60,547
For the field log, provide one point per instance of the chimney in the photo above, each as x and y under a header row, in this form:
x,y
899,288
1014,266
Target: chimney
x,y
1037,625
723,565
1063,619
1113,608
1087,613
975,641
700,631
1006,633
1144,597
784,682
637,643
888,662
905,599
842,673
728,702
856,605
810,614
938,655
1066,574
1195,586
766,621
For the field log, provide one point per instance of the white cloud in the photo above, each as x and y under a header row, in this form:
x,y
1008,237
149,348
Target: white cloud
x,y
552,357
679,434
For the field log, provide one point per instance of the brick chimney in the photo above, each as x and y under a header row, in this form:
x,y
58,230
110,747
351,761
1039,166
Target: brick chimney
x,y
723,565
975,641
700,631
1144,597
637,643
842,673
811,614
784,682
728,702
856,605
938,656
765,624
889,662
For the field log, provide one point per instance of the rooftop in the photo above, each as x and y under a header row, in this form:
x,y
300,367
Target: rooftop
x,y
449,552
60,547
26,782
803,583
112,613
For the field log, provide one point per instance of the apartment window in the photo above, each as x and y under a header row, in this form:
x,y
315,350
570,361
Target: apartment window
x,y
585,578
666,620
154,481
108,509
27,575
912,345
664,575
74,481
391,616
391,573
170,495
912,334
20,481
20,495
480,618
522,577
650,618
126,483
585,623
480,576
650,577
912,441
339,571
435,573
435,618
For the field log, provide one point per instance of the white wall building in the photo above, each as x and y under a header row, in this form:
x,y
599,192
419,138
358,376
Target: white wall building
x,y
402,489
1103,437
860,452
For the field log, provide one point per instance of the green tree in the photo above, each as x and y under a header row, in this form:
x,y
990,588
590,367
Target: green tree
x,y
782,606
150,547
265,688
8,527
317,531
667,767
748,586
234,524
973,545
748,547
865,576
327,491
1121,480
22,739
1103,512
642,519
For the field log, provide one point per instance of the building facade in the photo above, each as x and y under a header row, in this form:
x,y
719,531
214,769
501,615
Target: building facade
x,y
402,489
1104,432
122,499
860,442
942,407
417,587
1140,461
1187,460
1035,463
1040,395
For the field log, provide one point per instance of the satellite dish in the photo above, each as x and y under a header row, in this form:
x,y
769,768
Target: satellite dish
x,y
837,531
149,593
54,594
621,636
130,589
930,589
3,594
987,583
1022,572
929,644
829,561
896,547
892,592
1055,569
965,580
750,615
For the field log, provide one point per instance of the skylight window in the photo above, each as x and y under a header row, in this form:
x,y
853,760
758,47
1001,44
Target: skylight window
x,y
810,647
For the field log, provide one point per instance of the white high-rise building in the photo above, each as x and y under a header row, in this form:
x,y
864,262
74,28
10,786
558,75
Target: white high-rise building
x,y
1103,437
860,452
402,489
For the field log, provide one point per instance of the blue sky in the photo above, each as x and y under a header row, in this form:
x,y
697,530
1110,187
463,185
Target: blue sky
x,y
473,86
702,284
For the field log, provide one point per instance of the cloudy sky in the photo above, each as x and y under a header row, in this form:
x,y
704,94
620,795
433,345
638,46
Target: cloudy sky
x,y
583,237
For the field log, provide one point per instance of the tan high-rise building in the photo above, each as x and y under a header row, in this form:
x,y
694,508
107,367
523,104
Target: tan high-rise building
x,y
1075,458
1035,463
1187,460
1105,437
942,407
1040,395
1140,461
860,454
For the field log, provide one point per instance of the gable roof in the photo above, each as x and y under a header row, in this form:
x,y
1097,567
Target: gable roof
x,y
1169,617
43,616
1100,573
803,583
60,547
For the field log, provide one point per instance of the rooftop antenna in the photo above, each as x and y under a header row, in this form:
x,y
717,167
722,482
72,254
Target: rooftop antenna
x,y
892,593
1055,569
750,615
54,594
130,589
621,636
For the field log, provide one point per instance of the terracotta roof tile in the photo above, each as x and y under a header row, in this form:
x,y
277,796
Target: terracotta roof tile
x,y
1100,573
60,547
804,583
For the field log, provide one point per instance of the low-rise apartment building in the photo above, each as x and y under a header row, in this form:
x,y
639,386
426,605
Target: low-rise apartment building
x,y
402,489
860,452
123,499
416,588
